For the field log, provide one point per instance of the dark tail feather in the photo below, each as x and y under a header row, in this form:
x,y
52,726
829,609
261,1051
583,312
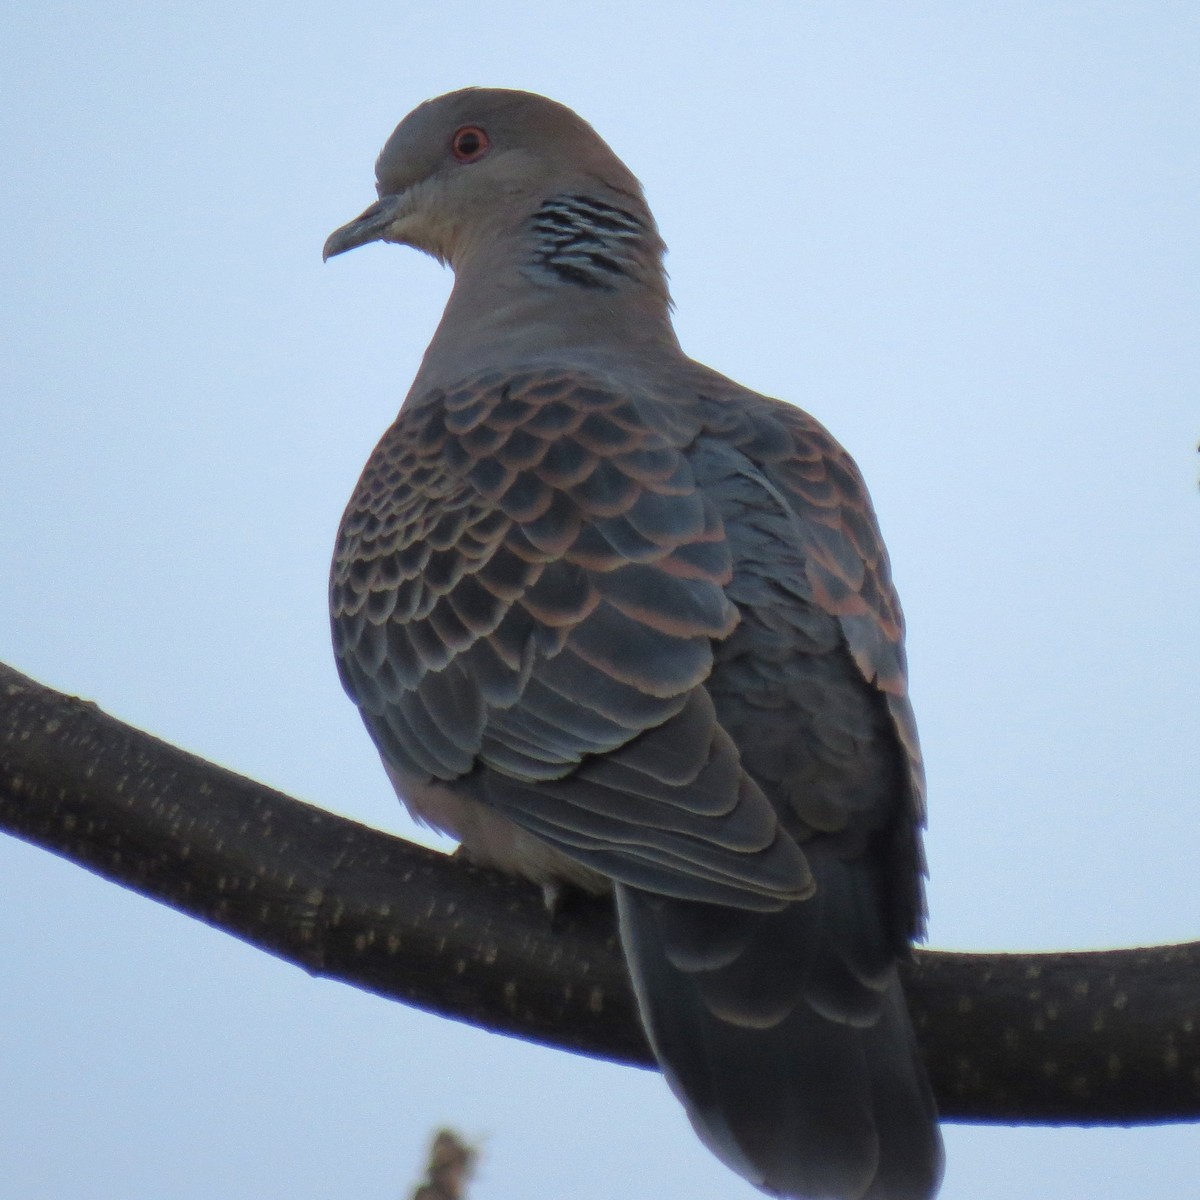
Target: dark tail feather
x,y
910,1145
799,1102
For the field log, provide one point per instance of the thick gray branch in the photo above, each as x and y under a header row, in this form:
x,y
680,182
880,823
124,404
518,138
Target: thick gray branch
x,y
1096,1038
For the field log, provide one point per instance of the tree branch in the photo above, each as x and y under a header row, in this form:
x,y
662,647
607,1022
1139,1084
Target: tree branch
x,y
1091,1038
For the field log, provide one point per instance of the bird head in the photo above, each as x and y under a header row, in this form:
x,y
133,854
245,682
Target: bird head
x,y
476,164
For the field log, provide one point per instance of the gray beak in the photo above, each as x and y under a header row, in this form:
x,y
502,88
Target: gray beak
x,y
369,226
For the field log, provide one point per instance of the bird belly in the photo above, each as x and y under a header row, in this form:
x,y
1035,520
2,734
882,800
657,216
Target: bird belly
x,y
490,839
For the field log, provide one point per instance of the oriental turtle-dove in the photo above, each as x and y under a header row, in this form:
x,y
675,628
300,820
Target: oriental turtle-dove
x,y
615,622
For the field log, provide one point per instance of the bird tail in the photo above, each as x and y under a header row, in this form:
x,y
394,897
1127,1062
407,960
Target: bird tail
x,y
791,1049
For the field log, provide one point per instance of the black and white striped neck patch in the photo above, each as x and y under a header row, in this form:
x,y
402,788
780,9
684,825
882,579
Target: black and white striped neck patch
x,y
585,241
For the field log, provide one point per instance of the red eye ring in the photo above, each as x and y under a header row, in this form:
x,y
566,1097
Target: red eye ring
x,y
469,144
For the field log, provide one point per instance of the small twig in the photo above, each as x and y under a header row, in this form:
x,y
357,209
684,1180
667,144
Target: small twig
x,y
451,1163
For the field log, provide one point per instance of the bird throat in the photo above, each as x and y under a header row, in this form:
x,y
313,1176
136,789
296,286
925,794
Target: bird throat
x,y
589,243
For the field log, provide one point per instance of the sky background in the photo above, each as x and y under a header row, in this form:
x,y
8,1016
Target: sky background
x,y
964,236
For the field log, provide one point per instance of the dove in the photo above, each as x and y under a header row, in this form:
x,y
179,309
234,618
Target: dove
x,y
619,624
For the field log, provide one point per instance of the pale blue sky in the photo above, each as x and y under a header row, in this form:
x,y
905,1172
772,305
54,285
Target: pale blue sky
x,y
964,236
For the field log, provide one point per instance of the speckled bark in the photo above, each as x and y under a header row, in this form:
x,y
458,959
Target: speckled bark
x,y
1090,1038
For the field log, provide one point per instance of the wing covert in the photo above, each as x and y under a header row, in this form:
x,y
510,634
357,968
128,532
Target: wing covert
x,y
528,581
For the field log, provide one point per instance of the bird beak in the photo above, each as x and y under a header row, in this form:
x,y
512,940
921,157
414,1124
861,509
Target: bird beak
x,y
372,225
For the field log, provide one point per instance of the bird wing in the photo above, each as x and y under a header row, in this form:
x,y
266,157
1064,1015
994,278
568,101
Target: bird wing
x,y
526,592
829,565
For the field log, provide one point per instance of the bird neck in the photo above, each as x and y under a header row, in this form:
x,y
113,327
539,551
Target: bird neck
x,y
581,273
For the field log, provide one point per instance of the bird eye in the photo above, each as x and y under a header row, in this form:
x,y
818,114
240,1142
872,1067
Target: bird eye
x,y
469,143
